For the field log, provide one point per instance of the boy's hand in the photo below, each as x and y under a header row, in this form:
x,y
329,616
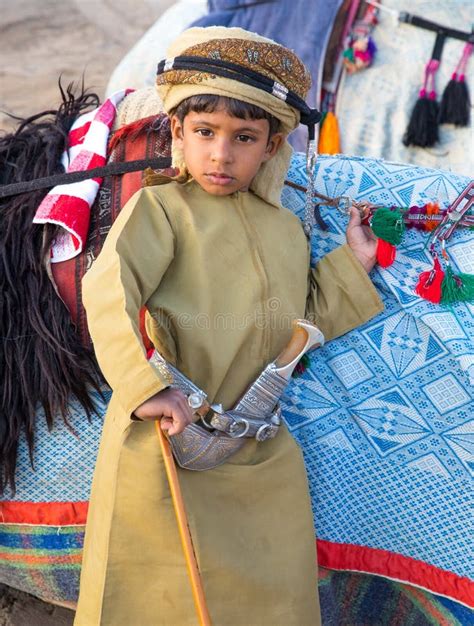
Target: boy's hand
x,y
361,240
171,407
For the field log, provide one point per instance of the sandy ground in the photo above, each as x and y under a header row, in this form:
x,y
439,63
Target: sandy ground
x,y
42,40
39,41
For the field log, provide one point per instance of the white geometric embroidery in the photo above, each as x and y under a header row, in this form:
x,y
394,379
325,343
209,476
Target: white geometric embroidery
x,y
461,439
444,325
446,393
405,343
463,256
430,463
350,369
390,421
337,439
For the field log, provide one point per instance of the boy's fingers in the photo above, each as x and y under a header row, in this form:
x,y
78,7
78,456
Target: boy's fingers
x,y
172,428
166,423
180,418
175,428
355,218
186,410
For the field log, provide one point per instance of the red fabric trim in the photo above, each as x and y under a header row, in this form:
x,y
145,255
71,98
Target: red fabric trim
x,y
331,555
73,213
78,135
351,557
44,513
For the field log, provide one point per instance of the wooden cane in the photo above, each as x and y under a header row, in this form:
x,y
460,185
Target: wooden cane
x,y
183,527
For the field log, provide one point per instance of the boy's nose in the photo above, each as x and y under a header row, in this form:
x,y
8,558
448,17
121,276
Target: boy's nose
x,y
221,152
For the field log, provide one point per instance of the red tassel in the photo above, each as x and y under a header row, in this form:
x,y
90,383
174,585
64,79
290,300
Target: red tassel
x,y
385,253
429,283
135,128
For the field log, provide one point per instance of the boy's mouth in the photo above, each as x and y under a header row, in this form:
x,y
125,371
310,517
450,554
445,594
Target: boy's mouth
x,y
218,178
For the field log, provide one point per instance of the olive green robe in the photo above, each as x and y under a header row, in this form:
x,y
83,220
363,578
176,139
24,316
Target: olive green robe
x,y
222,279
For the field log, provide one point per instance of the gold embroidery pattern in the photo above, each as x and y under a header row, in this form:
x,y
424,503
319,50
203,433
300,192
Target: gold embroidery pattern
x,y
272,60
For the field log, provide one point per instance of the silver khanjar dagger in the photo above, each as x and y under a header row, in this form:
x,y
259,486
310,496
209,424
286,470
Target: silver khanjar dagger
x,y
256,414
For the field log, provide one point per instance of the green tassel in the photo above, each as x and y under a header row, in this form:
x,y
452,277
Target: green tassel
x,y
305,362
457,287
301,366
388,224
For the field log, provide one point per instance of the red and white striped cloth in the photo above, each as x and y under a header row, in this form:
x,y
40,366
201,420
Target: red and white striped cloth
x,y
69,205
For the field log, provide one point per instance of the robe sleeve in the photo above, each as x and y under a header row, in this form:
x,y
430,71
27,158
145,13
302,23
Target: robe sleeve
x,y
133,260
340,295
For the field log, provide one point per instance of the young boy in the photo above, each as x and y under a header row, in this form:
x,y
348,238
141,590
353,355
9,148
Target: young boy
x,y
215,246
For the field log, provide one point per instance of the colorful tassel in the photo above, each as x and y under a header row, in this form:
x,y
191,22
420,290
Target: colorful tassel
x,y
455,107
329,137
386,253
388,224
426,217
359,54
301,366
431,208
457,287
422,129
429,283
360,48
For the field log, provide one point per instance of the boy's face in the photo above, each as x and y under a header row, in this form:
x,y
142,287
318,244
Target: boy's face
x,y
223,153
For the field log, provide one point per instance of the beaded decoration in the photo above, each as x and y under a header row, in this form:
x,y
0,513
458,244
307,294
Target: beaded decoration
x,y
360,48
389,225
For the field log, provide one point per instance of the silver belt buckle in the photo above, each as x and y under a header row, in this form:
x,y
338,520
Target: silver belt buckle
x,y
267,431
239,428
196,400
237,425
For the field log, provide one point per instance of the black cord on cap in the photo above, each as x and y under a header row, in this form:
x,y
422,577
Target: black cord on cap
x,y
227,69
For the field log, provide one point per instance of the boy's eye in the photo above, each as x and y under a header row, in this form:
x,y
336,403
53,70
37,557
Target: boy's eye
x,y
204,132
244,138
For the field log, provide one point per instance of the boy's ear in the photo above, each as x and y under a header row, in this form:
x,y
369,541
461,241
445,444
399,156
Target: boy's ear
x,y
274,144
176,131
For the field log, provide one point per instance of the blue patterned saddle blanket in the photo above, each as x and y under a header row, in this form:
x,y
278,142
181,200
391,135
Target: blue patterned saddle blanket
x,y
384,415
